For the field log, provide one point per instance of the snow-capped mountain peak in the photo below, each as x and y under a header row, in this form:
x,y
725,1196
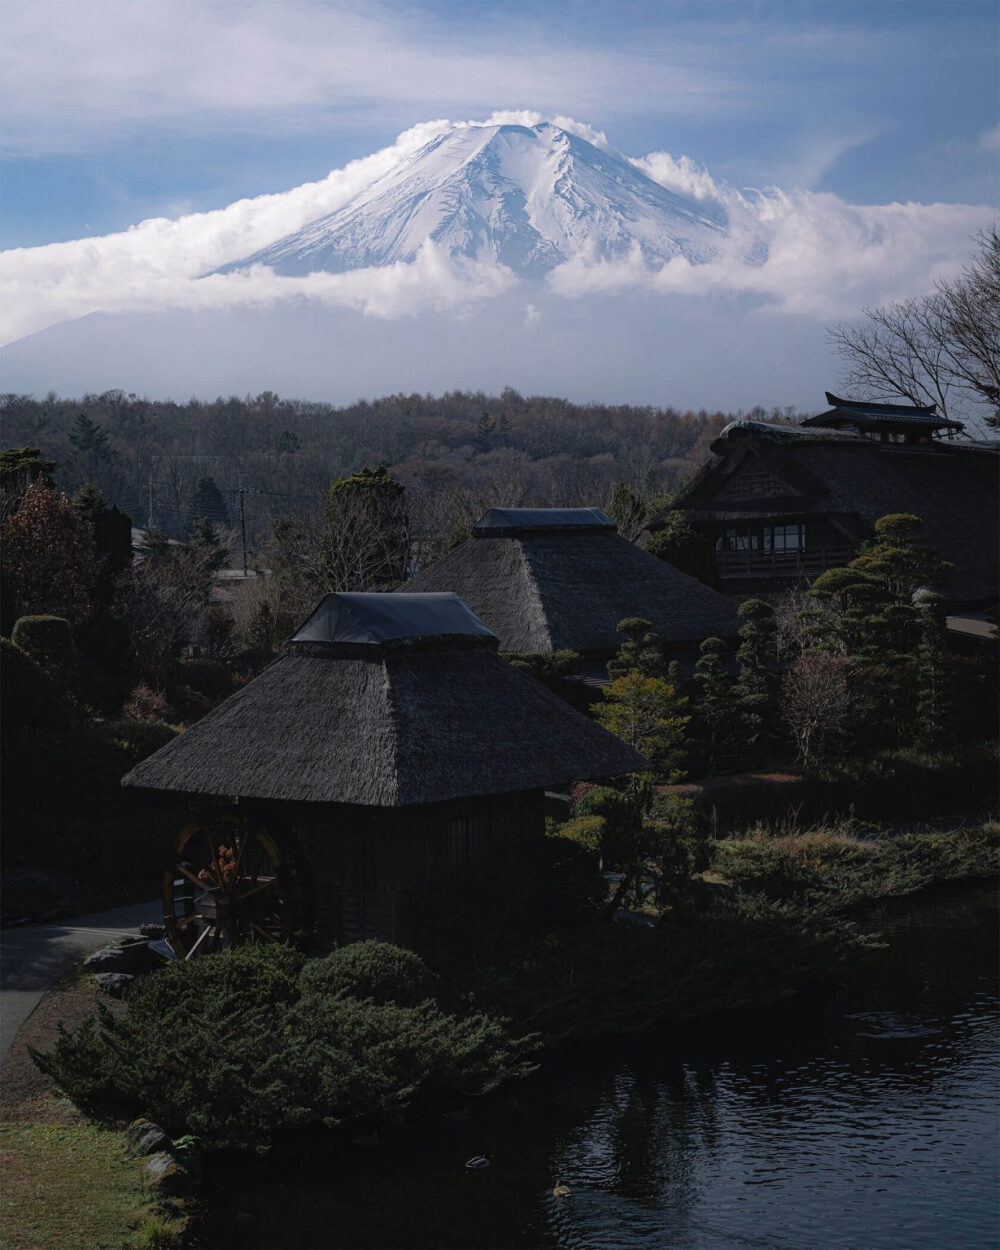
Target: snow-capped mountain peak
x,y
529,198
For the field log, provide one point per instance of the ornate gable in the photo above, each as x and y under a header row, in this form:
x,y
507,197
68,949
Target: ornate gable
x,y
752,480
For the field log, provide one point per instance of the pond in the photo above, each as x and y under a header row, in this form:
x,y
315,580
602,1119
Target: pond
x,y
860,1115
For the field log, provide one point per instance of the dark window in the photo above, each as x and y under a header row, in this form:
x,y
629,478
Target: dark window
x,y
784,537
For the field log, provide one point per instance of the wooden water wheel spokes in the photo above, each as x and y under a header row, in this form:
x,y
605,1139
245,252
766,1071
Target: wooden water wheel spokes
x,y
230,882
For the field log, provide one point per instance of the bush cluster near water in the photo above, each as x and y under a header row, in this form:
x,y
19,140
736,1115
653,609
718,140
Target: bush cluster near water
x,y
241,1047
840,867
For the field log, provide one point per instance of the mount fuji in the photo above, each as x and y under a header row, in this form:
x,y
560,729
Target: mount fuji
x,y
528,198
516,250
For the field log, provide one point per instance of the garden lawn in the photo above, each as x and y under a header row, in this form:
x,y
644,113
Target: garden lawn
x,y
67,1187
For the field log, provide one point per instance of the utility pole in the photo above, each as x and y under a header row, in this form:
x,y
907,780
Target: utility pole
x,y
241,491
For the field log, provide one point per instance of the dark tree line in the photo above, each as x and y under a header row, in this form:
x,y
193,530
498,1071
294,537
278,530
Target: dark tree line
x,y
166,463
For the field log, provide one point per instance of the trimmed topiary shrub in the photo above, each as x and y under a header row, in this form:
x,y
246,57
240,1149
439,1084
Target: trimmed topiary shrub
x,y
49,642
372,970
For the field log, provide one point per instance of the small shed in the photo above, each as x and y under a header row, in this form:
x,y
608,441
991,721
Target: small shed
x,y
389,748
553,579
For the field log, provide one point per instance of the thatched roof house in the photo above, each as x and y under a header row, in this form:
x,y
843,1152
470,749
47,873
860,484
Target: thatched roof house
x,y
399,747
386,700
783,503
546,579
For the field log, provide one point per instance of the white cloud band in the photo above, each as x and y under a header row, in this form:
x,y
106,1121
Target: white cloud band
x,y
824,258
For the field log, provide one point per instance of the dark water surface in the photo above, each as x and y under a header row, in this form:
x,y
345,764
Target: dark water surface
x,y
862,1116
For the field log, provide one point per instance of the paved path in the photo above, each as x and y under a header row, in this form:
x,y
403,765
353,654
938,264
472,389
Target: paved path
x,y
33,957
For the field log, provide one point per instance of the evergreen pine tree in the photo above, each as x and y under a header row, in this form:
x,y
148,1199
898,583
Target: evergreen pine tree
x,y
207,501
757,686
90,440
677,542
715,704
207,547
933,701
641,651
112,539
627,510
484,431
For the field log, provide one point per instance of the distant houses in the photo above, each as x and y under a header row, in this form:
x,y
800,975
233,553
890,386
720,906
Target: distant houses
x,y
389,748
782,503
552,579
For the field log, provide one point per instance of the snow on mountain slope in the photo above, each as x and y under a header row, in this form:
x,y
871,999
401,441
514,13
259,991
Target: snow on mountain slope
x,y
529,198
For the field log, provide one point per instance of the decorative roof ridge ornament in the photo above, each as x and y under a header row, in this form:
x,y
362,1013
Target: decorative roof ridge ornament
x,y
858,405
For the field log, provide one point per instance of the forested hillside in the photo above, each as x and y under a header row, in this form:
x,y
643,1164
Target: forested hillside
x,y
455,453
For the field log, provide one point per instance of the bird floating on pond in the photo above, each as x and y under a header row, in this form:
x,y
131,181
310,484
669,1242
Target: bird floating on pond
x,y
560,1190
477,1163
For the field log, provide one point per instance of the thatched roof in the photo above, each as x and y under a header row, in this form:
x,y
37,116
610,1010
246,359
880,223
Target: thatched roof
x,y
554,589
852,481
422,717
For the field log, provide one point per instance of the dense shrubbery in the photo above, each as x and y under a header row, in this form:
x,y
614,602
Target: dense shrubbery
x,y
841,868
64,809
618,978
554,670
32,702
241,1047
894,785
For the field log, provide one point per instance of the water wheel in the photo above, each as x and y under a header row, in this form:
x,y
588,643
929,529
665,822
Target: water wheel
x,y
232,881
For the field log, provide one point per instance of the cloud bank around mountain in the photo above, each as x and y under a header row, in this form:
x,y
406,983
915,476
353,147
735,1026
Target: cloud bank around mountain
x,y
825,258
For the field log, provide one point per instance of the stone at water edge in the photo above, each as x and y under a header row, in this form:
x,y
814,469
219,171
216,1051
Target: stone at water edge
x,y
114,983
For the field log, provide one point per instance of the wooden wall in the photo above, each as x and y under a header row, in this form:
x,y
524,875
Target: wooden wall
x,y
370,865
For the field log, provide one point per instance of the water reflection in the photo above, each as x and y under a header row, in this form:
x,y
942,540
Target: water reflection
x,y
862,1116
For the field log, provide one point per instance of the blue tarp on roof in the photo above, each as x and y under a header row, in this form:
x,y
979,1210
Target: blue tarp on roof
x,y
371,619
499,522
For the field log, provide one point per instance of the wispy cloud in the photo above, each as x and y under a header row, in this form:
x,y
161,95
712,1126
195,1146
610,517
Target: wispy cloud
x,y
78,75
989,140
824,258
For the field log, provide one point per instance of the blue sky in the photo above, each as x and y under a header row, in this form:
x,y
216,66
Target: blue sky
x,y
119,110
147,143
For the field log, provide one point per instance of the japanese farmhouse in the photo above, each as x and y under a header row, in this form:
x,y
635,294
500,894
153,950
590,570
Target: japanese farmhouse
x,y
783,503
395,746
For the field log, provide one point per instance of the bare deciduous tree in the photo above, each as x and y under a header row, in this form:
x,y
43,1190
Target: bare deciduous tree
x,y
943,349
816,701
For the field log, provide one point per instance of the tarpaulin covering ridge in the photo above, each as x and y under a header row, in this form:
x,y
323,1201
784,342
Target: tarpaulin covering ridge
x,y
371,619
542,518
